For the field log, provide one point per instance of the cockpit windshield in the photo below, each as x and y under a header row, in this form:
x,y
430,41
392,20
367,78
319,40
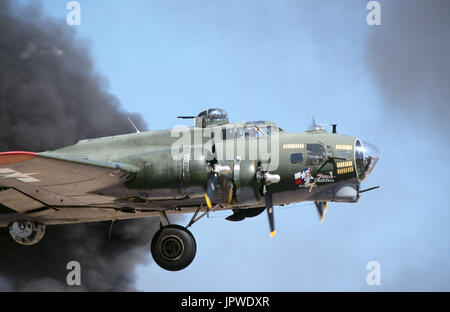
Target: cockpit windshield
x,y
250,131
241,132
268,130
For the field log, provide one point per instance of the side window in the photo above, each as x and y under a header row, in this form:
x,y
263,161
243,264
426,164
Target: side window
x,y
329,151
296,158
315,154
346,154
227,134
240,133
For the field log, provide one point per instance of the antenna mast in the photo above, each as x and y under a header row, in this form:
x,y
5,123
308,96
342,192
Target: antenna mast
x,y
132,123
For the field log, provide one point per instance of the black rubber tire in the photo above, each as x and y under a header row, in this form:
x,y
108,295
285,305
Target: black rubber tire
x,y
173,247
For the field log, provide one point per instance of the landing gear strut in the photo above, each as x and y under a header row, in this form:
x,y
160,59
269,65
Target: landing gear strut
x,y
173,247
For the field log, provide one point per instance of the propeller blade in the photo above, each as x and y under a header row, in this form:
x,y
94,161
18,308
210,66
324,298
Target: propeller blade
x,y
322,208
269,208
230,194
210,189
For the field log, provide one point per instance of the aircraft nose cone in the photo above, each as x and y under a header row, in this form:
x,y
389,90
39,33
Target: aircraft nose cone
x,y
366,157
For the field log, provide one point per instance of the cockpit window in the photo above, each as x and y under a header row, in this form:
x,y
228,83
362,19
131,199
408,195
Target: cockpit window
x,y
315,154
248,132
241,132
268,130
258,122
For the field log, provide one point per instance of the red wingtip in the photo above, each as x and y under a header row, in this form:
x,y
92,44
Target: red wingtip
x,y
15,157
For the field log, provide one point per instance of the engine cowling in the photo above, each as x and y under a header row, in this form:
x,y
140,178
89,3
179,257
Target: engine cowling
x,y
246,181
163,177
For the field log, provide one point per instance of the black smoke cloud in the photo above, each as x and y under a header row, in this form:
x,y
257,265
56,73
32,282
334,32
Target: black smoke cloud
x,y
51,96
409,59
50,93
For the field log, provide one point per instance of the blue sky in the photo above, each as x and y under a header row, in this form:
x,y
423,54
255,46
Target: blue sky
x,y
265,60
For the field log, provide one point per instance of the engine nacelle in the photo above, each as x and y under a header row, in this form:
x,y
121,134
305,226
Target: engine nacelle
x,y
248,188
164,177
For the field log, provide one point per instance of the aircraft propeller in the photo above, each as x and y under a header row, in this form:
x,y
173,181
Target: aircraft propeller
x,y
213,182
322,208
268,179
216,171
269,208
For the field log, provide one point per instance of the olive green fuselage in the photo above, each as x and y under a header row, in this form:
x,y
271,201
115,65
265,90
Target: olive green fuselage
x,y
174,175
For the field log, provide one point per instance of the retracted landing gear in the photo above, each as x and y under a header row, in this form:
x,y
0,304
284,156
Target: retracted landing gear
x,y
173,247
26,232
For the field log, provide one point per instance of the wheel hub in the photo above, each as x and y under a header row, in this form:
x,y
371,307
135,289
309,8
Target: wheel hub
x,y
172,247
26,232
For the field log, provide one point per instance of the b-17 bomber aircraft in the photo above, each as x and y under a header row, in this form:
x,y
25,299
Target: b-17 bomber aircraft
x,y
245,167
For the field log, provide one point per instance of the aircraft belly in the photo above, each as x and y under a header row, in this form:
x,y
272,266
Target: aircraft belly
x,y
290,197
92,199
72,215
304,194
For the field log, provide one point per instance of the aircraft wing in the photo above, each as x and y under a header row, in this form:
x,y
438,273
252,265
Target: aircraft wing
x,y
34,183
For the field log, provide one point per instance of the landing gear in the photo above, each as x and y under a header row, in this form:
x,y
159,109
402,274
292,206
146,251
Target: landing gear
x,y
173,247
26,232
